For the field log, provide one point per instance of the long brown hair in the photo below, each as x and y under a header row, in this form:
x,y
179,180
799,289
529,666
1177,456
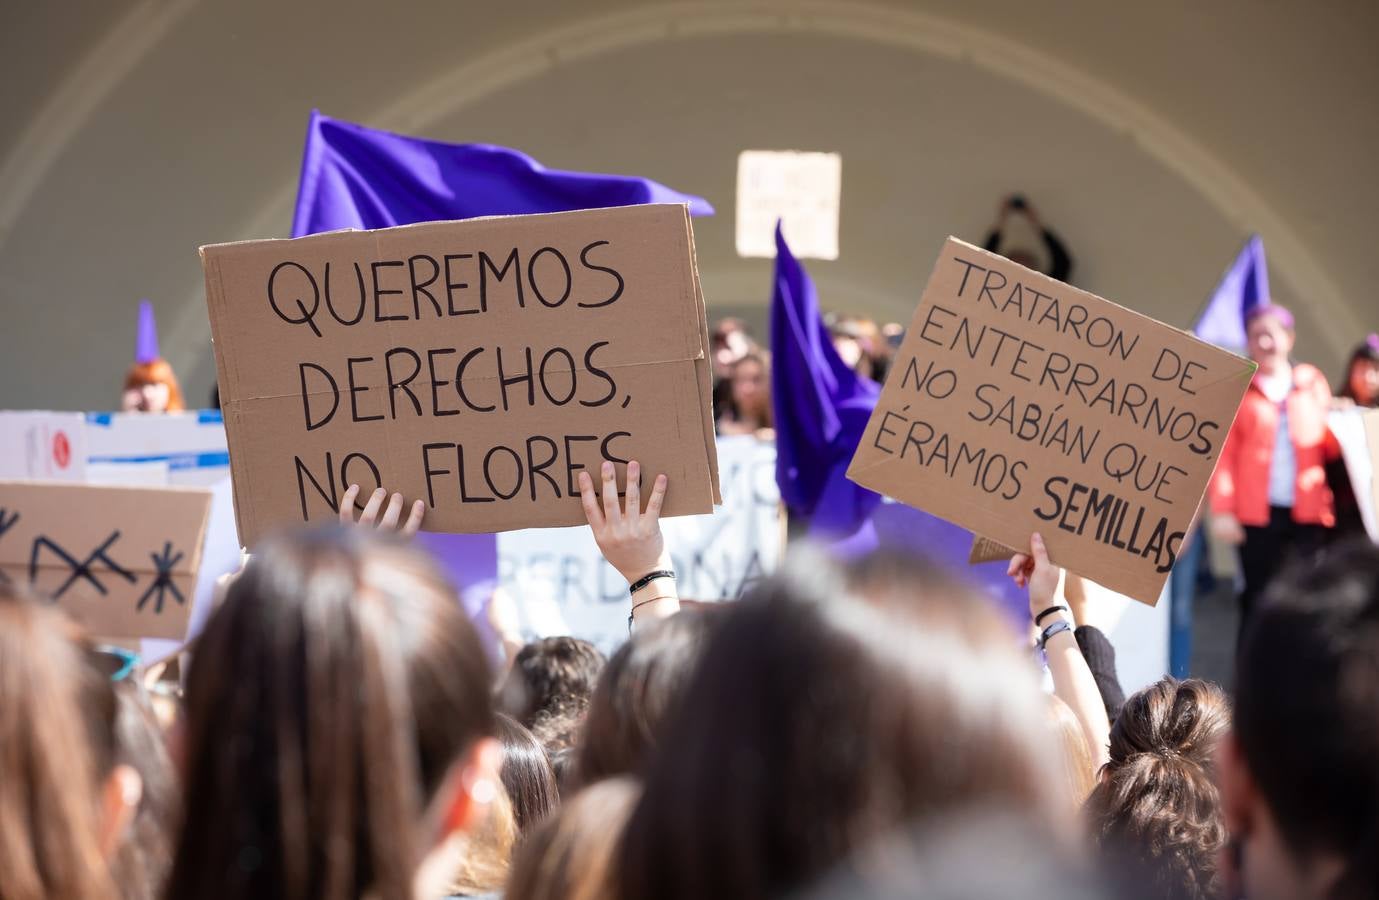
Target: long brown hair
x,y
641,686
329,698
572,854
1156,810
144,856
762,361
57,746
825,714
527,775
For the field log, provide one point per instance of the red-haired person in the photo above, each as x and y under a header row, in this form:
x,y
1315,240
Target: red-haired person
x,y
150,385
1269,495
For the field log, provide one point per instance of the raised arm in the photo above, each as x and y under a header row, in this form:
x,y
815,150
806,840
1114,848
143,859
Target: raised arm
x,y
1072,679
631,540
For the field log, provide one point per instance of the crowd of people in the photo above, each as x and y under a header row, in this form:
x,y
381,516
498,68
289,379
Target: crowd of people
x,y
867,729
871,728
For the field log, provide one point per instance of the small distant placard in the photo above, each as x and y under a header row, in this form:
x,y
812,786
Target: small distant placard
x,y
122,561
801,190
477,365
1019,404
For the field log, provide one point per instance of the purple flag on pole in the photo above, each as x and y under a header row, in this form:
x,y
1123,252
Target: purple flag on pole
x,y
357,177
1244,286
146,336
821,408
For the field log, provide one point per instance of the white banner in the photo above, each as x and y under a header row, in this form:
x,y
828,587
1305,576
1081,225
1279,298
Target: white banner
x,y
1349,427
555,582
42,446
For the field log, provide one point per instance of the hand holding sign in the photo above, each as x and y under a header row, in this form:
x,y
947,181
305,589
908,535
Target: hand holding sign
x,y
1034,571
631,540
628,538
391,515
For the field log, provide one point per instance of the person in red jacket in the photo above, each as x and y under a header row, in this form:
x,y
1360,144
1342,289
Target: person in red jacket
x,y
1269,496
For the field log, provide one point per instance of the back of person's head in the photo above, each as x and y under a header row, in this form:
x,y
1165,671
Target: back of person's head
x,y
58,756
1300,772
527,774
972,854
563,763
549,678
640,686
337,709
571,856
1155,811
144,855
826,713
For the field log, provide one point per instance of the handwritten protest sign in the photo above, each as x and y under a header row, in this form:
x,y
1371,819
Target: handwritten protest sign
x,y
477,365
1019,404
123,561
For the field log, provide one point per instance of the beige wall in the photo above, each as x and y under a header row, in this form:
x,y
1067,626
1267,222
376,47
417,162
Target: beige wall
x,y
1152,138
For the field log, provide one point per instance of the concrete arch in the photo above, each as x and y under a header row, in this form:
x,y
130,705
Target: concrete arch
x,y
41,143
919,32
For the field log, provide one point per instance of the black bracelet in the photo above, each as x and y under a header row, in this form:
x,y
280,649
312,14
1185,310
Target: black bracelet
x,y
637,606
1056,628
1052,609
647,579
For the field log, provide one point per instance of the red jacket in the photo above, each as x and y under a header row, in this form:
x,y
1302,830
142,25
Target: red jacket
x,y
1240,486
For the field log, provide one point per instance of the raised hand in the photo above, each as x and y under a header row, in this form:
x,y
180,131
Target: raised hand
x,y
628,538
369,518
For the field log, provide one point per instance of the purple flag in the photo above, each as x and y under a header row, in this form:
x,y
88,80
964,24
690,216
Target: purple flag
x,y
821,408
357,177
1244,286
146,337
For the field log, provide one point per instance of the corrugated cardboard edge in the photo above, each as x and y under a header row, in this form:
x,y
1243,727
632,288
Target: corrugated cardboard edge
x,y
984,549
230,404
702,366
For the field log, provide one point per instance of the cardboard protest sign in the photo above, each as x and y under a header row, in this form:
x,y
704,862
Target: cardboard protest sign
x,y
1019,404
477,365
123,561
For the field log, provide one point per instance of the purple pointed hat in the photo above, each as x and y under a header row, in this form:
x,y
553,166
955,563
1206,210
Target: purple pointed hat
x,y
146,342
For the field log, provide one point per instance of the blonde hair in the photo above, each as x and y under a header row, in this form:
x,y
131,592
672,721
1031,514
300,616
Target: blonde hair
x,y
1078,770
486,850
